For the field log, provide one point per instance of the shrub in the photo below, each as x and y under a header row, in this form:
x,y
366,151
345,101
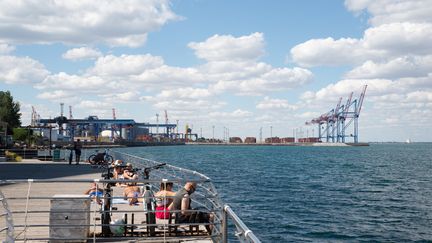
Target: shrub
x,y
11,156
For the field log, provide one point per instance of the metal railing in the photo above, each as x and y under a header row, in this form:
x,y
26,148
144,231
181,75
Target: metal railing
x,y
29,206
8,228
243,233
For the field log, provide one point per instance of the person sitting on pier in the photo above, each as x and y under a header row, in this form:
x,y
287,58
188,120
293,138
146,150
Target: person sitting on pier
x,y
95,192
118,169
132,194
164,198
182,204
129,173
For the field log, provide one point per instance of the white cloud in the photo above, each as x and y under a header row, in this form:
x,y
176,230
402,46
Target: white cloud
x,y
185,93
64,81
343,88
393,57
328,52
187,106
168,76
233,66
6,49
229,48
94,105
118,22
21,70
126,96
420,97
239,113
390,11
379,43
386,101
124,65
234,70
406,66
81,53
55,95
131,40
190,92
127,75
399,38
268,104
287,78
274,80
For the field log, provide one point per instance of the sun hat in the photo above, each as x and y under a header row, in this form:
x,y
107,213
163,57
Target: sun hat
x,y
118,162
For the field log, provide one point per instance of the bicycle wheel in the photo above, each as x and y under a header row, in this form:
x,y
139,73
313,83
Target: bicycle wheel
x,y
109,159
91,159
103,165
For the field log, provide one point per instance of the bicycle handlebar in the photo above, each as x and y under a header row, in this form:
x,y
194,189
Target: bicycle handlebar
x,y
155,167
147,170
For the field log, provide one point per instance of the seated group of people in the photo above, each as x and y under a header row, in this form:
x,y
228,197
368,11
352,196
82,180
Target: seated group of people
x,y
180,202
131,191
166,199
121,171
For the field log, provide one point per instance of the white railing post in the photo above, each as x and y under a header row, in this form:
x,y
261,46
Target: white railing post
x,y
225,224
9,222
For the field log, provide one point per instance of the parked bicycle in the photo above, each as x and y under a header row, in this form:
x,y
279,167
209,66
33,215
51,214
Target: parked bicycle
x,y
101,158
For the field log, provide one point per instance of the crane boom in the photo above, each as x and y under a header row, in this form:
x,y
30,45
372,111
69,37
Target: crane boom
x,y
362,95
347,105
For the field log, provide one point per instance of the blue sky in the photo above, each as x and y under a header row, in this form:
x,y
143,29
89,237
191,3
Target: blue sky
x,y
237,64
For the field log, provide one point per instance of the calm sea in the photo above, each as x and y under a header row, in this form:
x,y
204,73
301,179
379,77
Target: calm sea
x,y
380,193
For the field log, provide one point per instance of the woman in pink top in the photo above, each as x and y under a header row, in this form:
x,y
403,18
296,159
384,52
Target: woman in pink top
x,y
164,199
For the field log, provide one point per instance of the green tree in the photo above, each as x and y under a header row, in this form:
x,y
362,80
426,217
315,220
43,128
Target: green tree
x,y
25,135
9,111
22,134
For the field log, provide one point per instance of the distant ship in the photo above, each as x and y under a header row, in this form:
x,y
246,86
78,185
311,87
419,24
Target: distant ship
x,y
408,141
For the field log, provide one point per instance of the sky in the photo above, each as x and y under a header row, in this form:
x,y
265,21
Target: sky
x,y
237,65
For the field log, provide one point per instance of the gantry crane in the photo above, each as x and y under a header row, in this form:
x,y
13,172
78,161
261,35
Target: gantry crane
x,y
333,125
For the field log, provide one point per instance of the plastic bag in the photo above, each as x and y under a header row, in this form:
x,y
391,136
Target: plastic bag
x,y
117,226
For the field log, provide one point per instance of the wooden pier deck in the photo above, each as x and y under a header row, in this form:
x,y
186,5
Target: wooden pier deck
x,y
34,169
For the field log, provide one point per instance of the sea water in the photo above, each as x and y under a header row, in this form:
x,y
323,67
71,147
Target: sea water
x,y
380,193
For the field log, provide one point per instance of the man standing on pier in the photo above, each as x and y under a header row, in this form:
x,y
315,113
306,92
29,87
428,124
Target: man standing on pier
x,y
77,148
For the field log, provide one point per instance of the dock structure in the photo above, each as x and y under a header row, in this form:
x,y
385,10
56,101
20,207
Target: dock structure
x,y
47,202
127,129
333,125
42,207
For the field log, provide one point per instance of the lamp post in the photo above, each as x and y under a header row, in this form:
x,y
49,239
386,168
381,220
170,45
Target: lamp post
x,y
157,123
227,135
271,134
260,135
177,134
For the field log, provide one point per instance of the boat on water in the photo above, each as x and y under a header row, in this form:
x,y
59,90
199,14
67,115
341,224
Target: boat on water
x,y
55,210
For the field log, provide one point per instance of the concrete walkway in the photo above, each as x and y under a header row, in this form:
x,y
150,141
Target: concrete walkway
x,y
17,193
35,169
40,194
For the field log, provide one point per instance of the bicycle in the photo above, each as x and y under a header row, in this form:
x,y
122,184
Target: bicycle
x,y
103,158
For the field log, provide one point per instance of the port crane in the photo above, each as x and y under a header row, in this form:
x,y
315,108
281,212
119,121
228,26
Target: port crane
x,y
332,125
